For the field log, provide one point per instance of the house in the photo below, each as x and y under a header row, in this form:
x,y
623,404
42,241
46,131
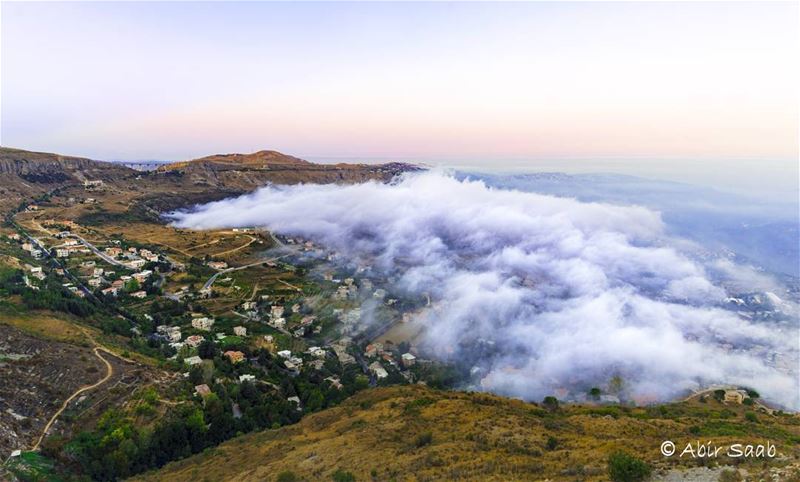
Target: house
x,y
246,378
217,264
98,272
408,359
317,352
734,396
88,264
95,282
276,311
239,331
249,305
136,263
35,269
373,349
278,323
113,251
62,253
202,390
141,276
335,382
193,360
377,369
194,340
139,294
112,291
285,354
92,184
234,356
203,323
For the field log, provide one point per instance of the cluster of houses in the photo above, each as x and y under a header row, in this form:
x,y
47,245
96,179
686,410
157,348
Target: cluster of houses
x,y
379,351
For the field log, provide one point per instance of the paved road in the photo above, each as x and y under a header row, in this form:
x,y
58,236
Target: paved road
x,y
102,255
213,278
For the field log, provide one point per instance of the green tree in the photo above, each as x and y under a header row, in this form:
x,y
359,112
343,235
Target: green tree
x,y
623,467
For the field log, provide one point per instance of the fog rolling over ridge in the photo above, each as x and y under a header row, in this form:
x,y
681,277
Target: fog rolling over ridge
x,y
566,293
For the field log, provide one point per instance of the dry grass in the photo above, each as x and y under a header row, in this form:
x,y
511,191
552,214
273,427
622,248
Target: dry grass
x,y
414,433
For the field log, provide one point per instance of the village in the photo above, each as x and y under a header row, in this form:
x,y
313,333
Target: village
x,y
199,312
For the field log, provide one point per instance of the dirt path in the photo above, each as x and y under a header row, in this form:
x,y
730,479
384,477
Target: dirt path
x,y
109,373
252,240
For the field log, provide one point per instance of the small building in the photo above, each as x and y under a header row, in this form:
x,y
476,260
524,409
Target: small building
x,y
62,253
193,360
408,359
239,331
377,369
285,354
136,263
217,264
246,378
139,294
112,291
203,323
194,340
202,390
734,396
234,356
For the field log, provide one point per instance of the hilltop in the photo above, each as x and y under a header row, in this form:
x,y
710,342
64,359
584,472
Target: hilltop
x,y
417,433
260,159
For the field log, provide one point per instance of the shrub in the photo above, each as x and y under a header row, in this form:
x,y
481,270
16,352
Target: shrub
x,y
286,476
751,417
551,443
550,403
423,439
623,467
341,476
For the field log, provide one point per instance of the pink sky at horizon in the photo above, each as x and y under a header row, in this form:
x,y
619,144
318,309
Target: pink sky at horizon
x,y
418,81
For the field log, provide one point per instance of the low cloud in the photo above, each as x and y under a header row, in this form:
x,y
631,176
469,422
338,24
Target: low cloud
x,y
568,294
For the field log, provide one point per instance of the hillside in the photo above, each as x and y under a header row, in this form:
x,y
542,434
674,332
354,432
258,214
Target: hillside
x,y
415,433
26,173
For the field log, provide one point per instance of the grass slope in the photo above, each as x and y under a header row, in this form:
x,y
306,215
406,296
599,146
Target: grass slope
x,y
415,433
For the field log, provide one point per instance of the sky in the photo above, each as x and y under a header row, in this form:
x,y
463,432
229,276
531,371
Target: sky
x,y
703,87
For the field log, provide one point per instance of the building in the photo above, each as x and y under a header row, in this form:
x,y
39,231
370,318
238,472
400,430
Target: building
x,y
136,263
734,396
203,324
285,354
112,291
234,356
217,264
408,359
113,251
246,378
193,360
139,294
202,390
62,253
377,369
239,331
194,340
141,276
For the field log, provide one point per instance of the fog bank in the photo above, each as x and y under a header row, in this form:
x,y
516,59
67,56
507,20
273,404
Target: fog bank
x,y
565,293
